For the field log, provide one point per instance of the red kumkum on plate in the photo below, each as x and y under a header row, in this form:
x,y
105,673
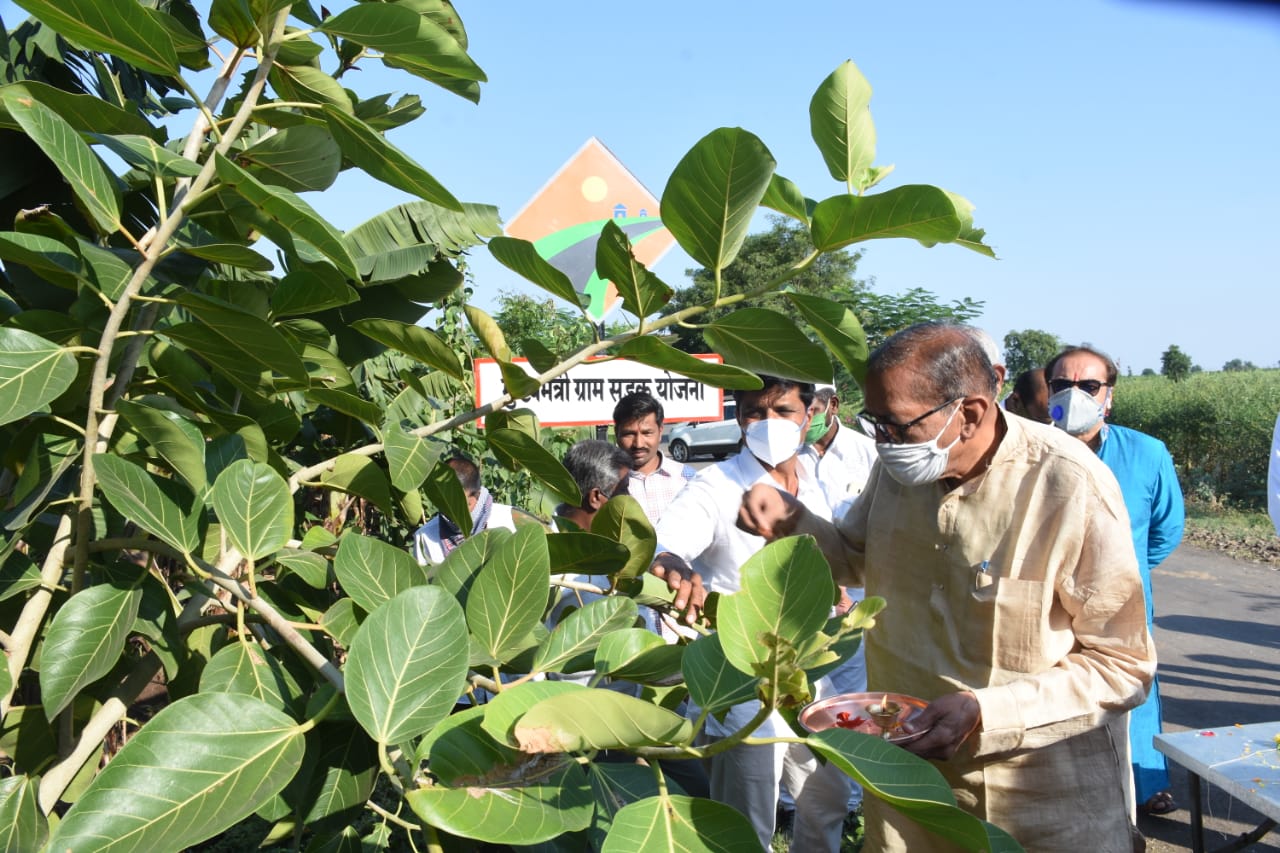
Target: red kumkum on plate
x,y
849,711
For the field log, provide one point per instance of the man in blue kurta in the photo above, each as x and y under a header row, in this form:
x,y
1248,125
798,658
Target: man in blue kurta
x,y
1081,381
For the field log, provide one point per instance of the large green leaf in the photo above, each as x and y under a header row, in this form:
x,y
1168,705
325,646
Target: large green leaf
x,y
347,403
246,668
419,222
302,158
715,684
768,342
23,826
94,187
642,292
509,593
638,654
370,151
838,327
578,552
504,710
359,475
84,641
840,122
911,785
409,458
785,197
713,193
309,84
312,568
250,339
346,761
86,113
408,664
915,211
292,215
510,444
373,572
582,630
175,438
548,797
199,766
308,288
418,343
146,154
254,505
458,572
649,350
598,719
233,20
622,519
444,490
402,34
119,27
489,333
33,372
785,596
52,260
679,823
521,257
138,496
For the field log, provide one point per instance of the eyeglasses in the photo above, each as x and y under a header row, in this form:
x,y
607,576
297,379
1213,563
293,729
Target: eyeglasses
x,y
1088,386
894,433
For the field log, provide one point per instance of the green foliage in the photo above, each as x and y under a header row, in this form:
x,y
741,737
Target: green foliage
x,y
213,462
1028,350
1217,426
1175,364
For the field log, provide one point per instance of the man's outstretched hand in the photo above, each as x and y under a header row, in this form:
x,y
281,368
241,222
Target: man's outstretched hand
x,y
769,512
684,582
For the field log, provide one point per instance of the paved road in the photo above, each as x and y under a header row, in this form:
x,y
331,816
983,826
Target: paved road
x,y
1218,636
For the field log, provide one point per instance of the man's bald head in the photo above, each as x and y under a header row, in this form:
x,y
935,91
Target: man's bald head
x,y
944,360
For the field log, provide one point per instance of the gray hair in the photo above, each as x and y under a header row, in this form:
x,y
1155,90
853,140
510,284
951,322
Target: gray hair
x,y
596,464
946,361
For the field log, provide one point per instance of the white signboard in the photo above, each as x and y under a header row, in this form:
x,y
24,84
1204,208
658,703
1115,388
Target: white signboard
x,y
586,394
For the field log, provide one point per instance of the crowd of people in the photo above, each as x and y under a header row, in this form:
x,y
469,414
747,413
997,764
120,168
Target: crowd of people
x,y
1014,543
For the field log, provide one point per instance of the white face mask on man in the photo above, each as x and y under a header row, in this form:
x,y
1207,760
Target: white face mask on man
x,y
1075,411
773,440
917,464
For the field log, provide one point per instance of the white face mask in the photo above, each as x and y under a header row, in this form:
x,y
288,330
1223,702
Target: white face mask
x,y
917,464
1074,411
773,440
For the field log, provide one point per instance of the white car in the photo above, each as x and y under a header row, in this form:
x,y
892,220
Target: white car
x,y
717,438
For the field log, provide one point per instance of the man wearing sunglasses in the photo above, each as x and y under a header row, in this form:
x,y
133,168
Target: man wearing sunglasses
x,y
1015,606
1081,381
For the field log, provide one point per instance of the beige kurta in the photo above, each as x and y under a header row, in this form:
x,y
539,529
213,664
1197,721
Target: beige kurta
x,y
1022,586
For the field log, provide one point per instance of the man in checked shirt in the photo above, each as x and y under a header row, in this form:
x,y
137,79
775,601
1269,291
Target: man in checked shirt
x,y
655,479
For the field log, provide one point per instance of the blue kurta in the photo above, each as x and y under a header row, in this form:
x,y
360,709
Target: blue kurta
x,y
1144,469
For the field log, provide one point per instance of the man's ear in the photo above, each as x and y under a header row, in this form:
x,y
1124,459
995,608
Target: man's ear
x,y
974,411
596,499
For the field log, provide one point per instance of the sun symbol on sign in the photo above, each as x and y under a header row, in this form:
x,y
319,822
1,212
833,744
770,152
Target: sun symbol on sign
x,y
594,189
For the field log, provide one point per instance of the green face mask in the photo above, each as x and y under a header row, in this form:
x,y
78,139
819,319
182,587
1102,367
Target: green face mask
x,y
817,428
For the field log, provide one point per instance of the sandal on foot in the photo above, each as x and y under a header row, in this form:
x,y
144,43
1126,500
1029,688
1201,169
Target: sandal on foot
x,y
1161,803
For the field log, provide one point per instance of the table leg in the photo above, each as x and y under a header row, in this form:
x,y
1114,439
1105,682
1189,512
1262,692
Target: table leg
x,y
1197,817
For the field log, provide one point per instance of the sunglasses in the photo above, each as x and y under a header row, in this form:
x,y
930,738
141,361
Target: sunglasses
x,y
890,432
1088,386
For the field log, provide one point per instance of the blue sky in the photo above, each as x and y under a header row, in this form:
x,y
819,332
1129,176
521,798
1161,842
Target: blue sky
x,y
1122,155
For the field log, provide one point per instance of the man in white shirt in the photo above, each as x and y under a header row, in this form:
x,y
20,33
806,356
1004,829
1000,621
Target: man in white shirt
x,y
839,457
655,480
700,528
433,541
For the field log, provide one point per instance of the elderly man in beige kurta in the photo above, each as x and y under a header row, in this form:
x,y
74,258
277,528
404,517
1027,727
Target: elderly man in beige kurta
x,y
1015,608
